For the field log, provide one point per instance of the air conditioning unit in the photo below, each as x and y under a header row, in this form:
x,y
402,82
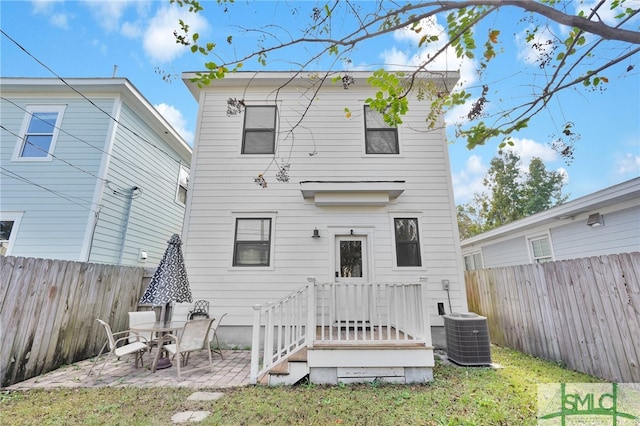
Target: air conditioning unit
x,y
467,337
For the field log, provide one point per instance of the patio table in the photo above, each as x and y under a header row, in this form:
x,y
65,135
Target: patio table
x,y
159,328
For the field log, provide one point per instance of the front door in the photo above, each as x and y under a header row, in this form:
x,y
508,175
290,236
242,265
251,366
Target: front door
x,y
351,269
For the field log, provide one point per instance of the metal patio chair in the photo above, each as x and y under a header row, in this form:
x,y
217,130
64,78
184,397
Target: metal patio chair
x,y
200,310
214,335
194,337
119,347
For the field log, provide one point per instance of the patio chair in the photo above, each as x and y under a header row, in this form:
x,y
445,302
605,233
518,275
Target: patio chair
x,y
200,309
142,317
214,335
194,337
119,347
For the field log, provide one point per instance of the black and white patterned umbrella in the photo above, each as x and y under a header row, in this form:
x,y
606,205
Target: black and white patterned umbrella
x,y
169,282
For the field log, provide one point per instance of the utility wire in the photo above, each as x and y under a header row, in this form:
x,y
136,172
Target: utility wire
x,y
81,94
124,160
46,151
69,198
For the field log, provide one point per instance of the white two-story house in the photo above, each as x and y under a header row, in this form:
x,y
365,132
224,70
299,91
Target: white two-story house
x,y
320,229
89,172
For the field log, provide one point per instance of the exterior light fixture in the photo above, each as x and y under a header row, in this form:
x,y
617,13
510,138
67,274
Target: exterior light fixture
x,y
316,233
595,220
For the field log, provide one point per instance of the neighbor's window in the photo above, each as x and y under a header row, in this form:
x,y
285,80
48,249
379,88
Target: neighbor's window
x,y
183,184
541,250
40,133
252,243
380,138
259,136
5,235
407,242
473,261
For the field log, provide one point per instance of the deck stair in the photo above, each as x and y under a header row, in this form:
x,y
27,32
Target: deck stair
x,y
336,332
289,370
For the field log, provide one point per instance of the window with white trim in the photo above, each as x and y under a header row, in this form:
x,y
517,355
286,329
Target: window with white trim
x,y
541,249
473,261
183,185
407,242
259,134
39,132
380,138
252,241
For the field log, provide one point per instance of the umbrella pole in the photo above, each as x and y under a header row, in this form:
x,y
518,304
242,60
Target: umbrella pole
x,y
164,362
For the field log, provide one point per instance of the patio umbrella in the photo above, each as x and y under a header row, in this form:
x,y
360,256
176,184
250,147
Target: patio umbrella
x,y
169,283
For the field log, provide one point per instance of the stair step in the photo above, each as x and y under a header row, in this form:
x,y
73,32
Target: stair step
x,y
282,368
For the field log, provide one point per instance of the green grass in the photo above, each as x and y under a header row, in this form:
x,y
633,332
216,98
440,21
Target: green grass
x,y
457,396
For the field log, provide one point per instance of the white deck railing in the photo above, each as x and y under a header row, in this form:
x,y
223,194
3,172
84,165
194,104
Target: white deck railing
x,y
339,314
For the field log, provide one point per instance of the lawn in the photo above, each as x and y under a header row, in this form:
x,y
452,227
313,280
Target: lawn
x,y
457,396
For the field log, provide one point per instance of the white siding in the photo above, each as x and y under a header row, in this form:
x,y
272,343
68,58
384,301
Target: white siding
x,y
620,234
506,253
326,147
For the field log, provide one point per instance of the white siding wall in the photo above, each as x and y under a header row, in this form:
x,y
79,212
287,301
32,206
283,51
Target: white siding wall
x,y
223,185
55,195
621,234
510,252
570,238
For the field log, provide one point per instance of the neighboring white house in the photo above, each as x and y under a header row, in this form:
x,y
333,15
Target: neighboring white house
x,y
602,223
89,171
322,207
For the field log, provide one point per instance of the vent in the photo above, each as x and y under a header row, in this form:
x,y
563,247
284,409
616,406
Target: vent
x,y
467,337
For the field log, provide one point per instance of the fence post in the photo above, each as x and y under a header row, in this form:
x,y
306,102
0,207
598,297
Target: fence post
x,y
255,345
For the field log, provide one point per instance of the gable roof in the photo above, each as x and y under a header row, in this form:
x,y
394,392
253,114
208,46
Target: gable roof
x,y
625,191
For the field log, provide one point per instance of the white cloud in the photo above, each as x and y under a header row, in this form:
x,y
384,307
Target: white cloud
x,y
109,13
537,50
59,20
177,121
468,181
527,149
628,164
159,42
131,30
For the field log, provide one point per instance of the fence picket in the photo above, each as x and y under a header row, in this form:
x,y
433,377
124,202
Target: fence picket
x,y
583,312
48,311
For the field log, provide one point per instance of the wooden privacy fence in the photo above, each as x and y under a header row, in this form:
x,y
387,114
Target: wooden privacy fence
x,y
48,311
584,312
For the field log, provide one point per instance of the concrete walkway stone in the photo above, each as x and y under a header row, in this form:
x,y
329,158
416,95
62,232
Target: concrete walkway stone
x,y
190,416
205,396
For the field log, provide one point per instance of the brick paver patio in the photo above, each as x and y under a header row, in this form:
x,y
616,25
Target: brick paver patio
x,y
232,371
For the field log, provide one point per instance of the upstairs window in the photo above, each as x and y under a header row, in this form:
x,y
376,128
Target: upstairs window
x,y
380,138
252,245
259,136
183,184
407,242
541,250
40,132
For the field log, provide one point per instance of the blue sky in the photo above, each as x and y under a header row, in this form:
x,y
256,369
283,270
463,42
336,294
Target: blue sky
x,y
134,39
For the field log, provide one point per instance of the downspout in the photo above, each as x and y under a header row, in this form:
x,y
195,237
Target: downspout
x,y
130,198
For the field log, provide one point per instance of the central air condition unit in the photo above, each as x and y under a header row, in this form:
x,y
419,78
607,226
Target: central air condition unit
x,y
467,337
